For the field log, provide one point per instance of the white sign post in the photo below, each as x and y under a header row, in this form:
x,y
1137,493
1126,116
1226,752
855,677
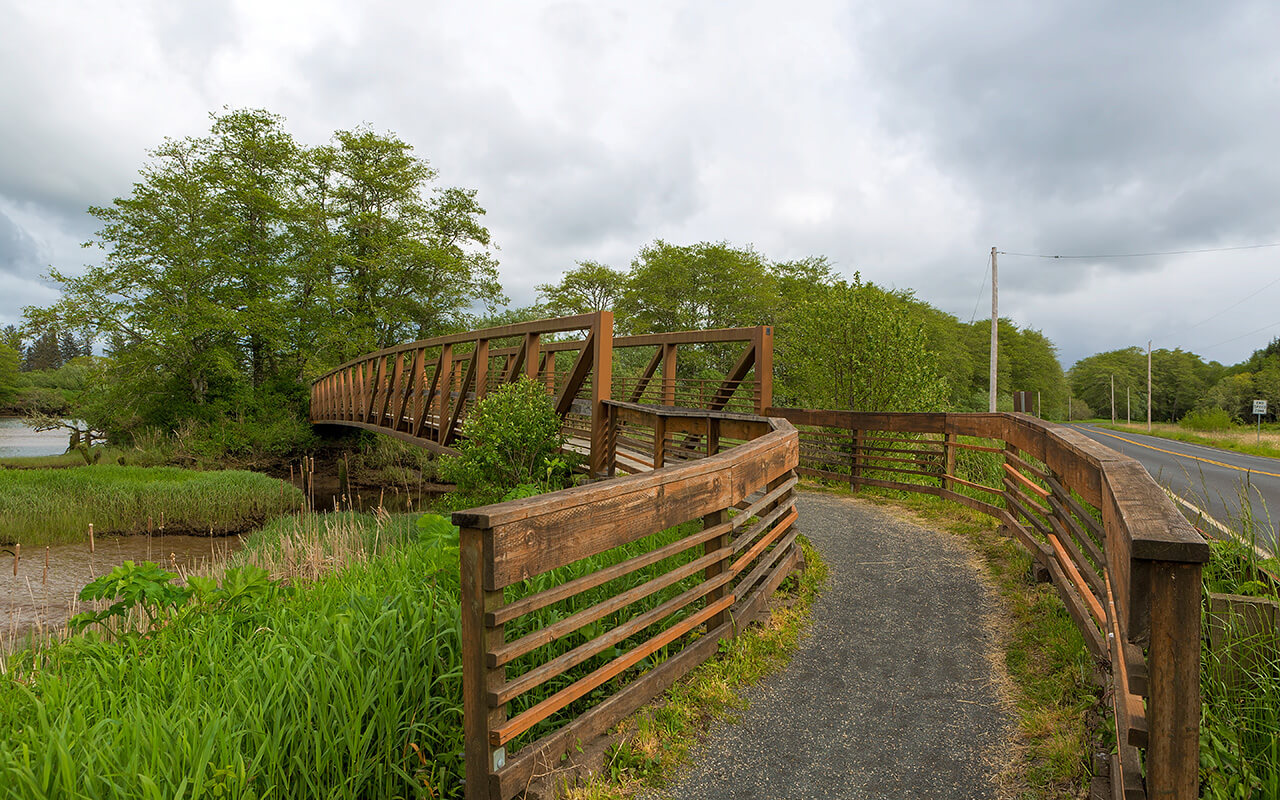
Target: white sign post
x,y
1259,409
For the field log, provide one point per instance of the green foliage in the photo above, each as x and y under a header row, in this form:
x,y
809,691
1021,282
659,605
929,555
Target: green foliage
x,y
8,373
1207,419
591,286
511,437
855,346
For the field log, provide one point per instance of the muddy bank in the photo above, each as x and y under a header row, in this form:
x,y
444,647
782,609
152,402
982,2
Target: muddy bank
x,y
42,596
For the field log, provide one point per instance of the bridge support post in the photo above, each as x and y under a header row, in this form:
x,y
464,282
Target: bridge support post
x,y
601,389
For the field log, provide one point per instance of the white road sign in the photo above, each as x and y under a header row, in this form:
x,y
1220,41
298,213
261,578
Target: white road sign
x,y
1260,407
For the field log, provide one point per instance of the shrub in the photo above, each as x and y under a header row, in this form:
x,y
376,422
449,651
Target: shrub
x,y
1207,419
510,439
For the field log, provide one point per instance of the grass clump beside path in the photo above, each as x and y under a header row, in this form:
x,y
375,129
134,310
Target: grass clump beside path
x,y
1050,667
1239,683
50,506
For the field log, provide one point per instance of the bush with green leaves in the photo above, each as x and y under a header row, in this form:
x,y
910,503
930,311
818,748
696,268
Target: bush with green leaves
x,y
511,439
1207,419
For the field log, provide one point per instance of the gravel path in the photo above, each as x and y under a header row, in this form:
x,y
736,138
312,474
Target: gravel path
x,y
892,694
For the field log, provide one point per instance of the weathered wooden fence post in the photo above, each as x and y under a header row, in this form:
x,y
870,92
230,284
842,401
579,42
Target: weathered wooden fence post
x,y
478,679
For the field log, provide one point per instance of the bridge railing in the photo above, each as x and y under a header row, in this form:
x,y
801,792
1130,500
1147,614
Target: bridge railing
x,y
581,605
1125,562
422,391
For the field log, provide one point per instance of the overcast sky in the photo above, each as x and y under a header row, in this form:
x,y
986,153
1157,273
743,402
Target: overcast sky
x,y
900,139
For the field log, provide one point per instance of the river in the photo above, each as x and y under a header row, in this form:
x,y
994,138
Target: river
x,y
16,439
42,598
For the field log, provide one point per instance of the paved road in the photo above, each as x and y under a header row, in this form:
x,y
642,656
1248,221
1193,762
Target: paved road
x,y
892,695
1213,479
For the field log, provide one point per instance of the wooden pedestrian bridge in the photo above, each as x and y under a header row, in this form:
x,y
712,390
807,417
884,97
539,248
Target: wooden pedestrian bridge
x,y
580,606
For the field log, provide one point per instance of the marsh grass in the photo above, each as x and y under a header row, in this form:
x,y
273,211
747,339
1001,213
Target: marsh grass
x,y
51,506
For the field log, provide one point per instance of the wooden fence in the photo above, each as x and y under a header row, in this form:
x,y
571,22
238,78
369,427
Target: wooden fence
x,y
581,605
1124,560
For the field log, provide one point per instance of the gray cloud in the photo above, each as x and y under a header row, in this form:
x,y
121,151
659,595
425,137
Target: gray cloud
x,y
901,140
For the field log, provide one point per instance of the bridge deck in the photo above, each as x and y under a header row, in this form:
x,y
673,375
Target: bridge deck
x,y
892,694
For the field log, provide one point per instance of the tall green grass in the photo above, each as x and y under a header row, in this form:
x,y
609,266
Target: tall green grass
x,y
40,507
349,688
1240,684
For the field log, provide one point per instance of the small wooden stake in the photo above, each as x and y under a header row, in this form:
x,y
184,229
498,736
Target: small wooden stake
x,y
91,546
44,578
17,554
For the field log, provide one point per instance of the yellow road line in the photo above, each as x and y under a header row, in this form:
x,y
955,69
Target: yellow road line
x,y
1184,455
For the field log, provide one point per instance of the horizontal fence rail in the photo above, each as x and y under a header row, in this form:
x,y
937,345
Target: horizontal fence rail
x,y
1125,562
580,606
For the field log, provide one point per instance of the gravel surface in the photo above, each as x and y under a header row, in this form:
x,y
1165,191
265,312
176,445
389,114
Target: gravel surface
x,y
892,694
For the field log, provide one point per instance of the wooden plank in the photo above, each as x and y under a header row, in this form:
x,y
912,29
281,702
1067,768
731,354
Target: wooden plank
x,y
450,432
1070,520
1025,481
544,754
590,581
623,510
577,376
1077,582
1131,719
1087,571
1075,607
547,634
712,589
764,368
445,371
427,403
669,374
527,719
542,326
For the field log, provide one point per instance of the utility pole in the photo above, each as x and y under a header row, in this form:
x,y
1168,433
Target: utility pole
x,y
1148,386
1128,420
995,324
1113,399
1068,405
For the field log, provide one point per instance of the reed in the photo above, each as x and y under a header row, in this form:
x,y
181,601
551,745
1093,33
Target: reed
x,y
39,507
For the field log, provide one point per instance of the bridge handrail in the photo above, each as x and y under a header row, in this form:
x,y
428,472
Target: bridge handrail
x,y
1125,561
744,496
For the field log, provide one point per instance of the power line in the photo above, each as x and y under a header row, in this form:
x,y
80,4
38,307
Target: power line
x,y
1100,256
1249,296
1243,336
981,286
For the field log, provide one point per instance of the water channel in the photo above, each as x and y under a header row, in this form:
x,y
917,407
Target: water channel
x,y
16,439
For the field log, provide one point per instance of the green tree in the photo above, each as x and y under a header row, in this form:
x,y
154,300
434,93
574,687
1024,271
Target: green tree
x,y
407,266
590,286
696,287
856,346
8,372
